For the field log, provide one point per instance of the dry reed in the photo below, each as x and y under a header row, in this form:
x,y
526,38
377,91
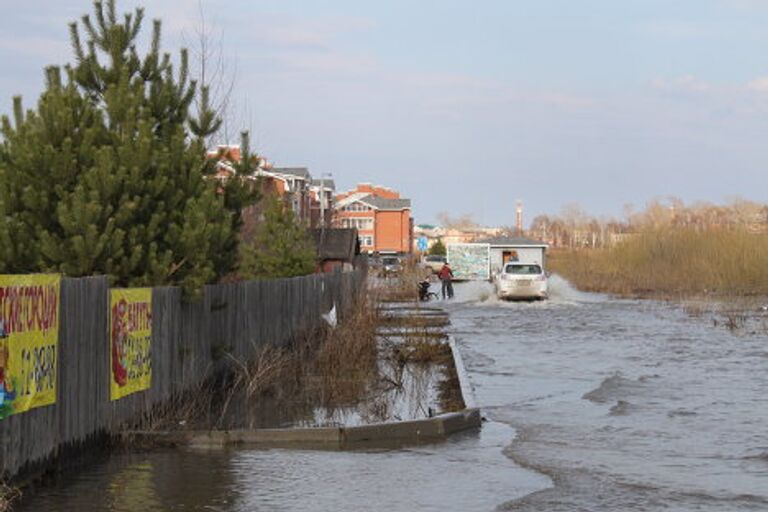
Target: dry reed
x,y
672,263
347,355
403,287
332,367
8,495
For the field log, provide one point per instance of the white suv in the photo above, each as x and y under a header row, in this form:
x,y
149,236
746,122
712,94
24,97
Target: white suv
x,y
521,281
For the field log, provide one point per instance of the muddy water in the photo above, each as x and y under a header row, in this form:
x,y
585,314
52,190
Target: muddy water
x,y
594,405
626,405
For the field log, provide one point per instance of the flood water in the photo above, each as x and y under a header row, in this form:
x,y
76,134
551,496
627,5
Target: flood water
x,y
626,405
594,404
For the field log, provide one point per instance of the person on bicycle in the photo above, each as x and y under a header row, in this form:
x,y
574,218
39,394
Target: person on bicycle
x,y
446,277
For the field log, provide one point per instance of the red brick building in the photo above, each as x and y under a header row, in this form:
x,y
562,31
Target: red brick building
x,y
382,218
308,198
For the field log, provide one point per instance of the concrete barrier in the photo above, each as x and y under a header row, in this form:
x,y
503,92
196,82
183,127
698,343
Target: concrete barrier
x,y
467,393
390,434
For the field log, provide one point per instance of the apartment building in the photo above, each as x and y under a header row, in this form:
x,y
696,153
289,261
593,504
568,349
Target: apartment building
x,y
382,218
307,197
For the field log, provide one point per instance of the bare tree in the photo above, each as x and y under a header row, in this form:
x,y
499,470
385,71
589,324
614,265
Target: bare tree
x,y
216,73
464,221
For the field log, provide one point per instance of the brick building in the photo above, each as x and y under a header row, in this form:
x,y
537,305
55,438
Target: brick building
x,y
293,184
382,218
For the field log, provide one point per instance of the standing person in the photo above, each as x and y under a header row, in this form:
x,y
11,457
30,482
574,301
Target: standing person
x,y
446,276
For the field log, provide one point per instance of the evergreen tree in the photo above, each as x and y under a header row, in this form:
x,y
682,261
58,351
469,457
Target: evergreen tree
x,y
281,246
437,249
107,175
239,192
41,156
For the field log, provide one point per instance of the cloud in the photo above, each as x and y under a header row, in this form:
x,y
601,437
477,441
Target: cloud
x,y
671,29
685,83
320,63
303,33
759,85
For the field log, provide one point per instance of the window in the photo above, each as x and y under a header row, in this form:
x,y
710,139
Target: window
x,y
366,241
359,223
523,269
356,207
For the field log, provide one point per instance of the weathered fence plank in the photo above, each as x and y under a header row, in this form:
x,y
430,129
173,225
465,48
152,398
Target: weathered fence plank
x,y
189,340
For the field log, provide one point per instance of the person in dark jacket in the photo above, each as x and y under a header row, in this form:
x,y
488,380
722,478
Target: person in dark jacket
x,y
446,277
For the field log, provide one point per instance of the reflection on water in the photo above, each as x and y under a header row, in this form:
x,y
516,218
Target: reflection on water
x,y
468,472
163,480
618,406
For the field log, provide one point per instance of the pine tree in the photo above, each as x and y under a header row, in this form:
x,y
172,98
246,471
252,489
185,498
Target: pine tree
x,y
239,192
107,175
281,246
437,249
40,159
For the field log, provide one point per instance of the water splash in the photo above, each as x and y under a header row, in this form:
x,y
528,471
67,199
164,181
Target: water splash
x,y
561,292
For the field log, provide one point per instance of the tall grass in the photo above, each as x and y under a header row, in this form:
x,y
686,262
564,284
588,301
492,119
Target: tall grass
x,y
672,262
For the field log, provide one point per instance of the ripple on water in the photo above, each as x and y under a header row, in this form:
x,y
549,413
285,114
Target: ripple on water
x,y
573,375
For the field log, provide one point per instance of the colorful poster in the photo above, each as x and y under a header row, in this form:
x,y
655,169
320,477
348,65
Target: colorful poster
x,y
130,341
29,340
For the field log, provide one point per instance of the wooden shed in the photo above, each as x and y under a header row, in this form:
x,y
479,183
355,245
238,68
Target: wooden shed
x,y
336,248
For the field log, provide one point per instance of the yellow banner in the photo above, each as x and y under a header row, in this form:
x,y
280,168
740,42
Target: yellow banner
x,y
29,341
130,341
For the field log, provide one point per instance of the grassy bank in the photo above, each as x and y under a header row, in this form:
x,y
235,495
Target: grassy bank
x,y
673,262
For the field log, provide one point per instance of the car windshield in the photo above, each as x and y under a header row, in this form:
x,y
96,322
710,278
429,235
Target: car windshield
x,y
523,269
390,261
436,258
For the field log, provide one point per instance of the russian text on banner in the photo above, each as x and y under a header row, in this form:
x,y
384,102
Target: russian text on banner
x,y
29,339
130,341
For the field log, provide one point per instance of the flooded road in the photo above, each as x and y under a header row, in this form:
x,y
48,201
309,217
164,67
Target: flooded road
x,y
626,405
468,472
594,404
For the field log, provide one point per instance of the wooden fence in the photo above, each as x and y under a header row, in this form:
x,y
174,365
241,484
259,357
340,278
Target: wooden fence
x,y
188,339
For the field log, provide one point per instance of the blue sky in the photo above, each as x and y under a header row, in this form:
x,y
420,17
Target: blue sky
x,y
466,107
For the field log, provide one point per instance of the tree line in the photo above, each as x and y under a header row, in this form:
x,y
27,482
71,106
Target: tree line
x,y
575,228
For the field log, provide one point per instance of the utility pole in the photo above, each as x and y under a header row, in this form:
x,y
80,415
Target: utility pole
x,y
322,198
519,218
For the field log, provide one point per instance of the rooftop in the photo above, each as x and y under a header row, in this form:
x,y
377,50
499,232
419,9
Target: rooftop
x,y
514,241
324,183
386,204
335,244
299,172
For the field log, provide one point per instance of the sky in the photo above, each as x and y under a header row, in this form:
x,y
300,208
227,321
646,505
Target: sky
x,y
467,107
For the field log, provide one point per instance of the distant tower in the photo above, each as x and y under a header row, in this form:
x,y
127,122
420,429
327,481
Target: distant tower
x,y
519,218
